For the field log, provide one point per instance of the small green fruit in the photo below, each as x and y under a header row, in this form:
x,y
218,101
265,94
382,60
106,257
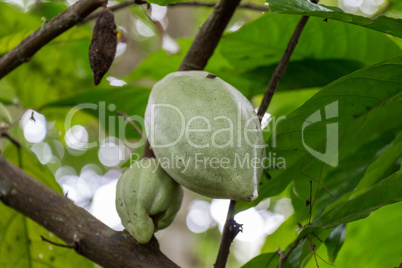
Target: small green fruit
x,y
147,199
206,135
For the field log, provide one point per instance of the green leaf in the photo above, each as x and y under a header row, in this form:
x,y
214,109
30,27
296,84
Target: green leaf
x,y
299,74
5,116
310,239
306,8
167,63
395,5
266,260
21,244
13,20
378,168
263,41
31,166
385,192
364,98
376,236
335,241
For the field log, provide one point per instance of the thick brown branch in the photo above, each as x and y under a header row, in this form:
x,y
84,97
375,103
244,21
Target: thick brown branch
x,y
47,32
209,35
79,229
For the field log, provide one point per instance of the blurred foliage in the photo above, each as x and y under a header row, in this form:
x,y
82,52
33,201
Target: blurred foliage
x,y
335,62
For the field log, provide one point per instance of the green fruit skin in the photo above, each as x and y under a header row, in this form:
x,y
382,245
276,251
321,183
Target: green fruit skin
x,y
194,94
147,199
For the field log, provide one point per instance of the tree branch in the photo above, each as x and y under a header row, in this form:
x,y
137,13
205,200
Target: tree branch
x,y
79,229
24,51
208,36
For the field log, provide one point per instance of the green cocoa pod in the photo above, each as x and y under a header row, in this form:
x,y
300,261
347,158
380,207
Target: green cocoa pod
x,y
206,135
147,199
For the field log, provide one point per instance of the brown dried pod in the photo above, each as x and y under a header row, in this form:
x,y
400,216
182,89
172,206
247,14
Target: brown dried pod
x,y
103,45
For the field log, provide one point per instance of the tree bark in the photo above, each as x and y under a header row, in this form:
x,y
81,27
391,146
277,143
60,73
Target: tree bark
x,y
79,229
46,33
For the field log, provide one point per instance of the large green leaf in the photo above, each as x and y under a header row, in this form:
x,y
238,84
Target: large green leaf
x,y
385,192
376,236
306,73
306,8
20,238
13,20
363,100
262,42
364,168
378,168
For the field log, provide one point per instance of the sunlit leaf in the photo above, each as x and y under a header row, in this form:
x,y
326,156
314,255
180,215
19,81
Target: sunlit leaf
x,y
363,99
385,192
306,8
262,42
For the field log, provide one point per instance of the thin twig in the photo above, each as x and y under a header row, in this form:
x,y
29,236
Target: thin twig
x,y
281,67
318,185
11,139
315,180
230,231
283,258
310,201
57,244
131,122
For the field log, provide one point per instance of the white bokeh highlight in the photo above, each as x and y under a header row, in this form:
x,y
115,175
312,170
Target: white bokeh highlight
x,y
33,125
